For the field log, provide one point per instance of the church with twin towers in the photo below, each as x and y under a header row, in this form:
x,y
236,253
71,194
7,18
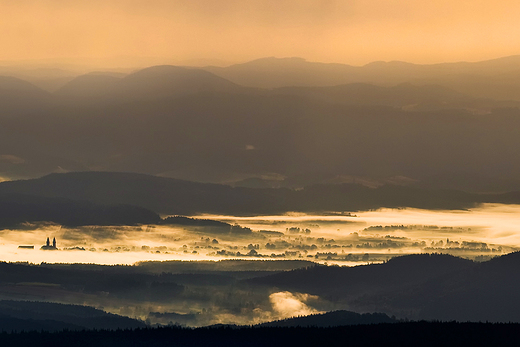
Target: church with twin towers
x,y
48,245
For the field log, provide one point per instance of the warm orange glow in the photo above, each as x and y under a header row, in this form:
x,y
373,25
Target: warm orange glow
x,y
117,32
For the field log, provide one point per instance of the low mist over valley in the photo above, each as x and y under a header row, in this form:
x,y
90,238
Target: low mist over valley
x,y
259,173
273,194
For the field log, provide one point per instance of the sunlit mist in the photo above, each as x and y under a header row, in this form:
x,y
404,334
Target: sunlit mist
x,y
350,239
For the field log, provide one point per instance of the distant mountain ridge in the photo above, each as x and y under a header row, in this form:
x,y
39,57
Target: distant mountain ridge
x,y
191,124
150,83
405,96
16,209
171,196
467,77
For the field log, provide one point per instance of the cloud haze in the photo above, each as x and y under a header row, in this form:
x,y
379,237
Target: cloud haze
x,y
287,304
355,32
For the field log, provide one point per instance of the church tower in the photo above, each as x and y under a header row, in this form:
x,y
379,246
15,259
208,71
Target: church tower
x,y
48,245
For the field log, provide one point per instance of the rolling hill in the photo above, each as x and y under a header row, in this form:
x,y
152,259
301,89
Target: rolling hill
x,y
170,196
194,125
102,192
155,82
433,287
37,316
496,78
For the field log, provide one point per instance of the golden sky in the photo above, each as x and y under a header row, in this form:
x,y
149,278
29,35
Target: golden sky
x,y
349,31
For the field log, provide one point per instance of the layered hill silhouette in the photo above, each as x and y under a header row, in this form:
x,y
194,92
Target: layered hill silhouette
x,y
16,84
363,280
415,287
111,198
194,125
406,96
90,86
496,78
439,287
172,196
18,97
16,209
155,82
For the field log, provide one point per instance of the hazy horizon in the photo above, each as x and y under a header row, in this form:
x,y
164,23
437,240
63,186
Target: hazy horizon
x,y
80,65
126,33
187,163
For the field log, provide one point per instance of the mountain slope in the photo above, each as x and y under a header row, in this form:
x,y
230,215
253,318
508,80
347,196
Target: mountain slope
x,y
33,315
356,281
170,196
193,125
496,78
280,72
19,208
89,86
155,82
433,287
406,96
20,98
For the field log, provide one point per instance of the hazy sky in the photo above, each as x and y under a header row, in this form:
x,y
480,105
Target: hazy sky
x,y
347,31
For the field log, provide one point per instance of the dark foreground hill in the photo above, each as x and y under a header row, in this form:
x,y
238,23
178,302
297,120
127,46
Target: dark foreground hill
x,y
332,319
354,282
432,287
414,334
33,315
416,286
